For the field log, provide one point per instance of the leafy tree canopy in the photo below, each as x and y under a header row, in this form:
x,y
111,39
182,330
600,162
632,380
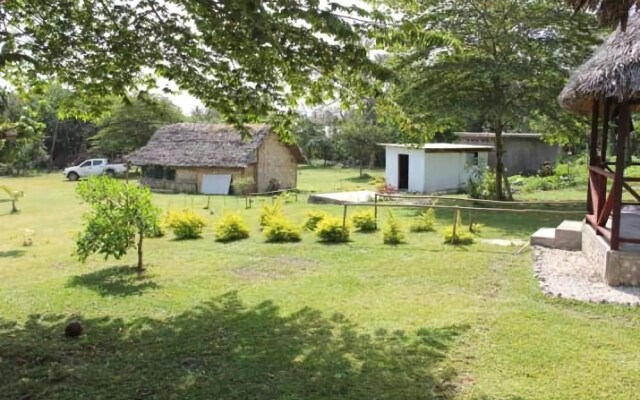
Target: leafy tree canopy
x,y
511,60
130,125
244,58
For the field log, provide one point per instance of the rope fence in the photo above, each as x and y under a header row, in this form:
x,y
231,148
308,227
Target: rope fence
x,y
457,208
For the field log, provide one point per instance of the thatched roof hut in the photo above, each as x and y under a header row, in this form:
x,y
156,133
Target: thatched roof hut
x,y
609,12
607,87
612,72
185,157
204,145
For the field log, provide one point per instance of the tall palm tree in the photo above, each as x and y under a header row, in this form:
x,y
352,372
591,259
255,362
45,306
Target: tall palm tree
x,y
610,12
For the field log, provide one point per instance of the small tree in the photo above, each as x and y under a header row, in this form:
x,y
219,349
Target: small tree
x,y
13,196
119,212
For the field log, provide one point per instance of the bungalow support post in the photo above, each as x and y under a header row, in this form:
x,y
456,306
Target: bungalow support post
x,y
624,126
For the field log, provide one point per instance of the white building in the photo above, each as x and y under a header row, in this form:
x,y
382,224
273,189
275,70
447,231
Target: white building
x,y
433,167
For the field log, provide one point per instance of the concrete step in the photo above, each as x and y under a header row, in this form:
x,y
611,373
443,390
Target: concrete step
x,y
569,235
545,237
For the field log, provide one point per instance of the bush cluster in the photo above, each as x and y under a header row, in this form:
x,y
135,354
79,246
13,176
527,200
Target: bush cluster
x,y
393,232
269,211
184,224
313,219
330,229
424,222
231,227
364,221
461,236
281,230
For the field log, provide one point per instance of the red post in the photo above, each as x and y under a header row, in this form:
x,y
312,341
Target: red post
x,y
593,153
624,125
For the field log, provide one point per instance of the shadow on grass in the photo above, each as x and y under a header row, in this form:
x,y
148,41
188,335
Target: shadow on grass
x,y
11,253
224,349
114,281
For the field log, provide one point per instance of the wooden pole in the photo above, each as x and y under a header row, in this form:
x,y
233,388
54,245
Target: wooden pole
x,y
605,130
375,208
455,225
470,222
593,154
344,218
624,126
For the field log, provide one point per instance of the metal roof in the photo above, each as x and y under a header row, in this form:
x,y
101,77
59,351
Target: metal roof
x,y
442,147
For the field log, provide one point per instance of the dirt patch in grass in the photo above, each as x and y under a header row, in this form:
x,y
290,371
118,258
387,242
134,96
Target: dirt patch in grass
x,y
280,267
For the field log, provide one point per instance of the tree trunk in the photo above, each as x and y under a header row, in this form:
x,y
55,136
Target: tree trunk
x,y
140,239
361,168
53,145
14,209
499,165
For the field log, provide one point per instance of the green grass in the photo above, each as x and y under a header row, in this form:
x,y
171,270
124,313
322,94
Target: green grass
x,y
252,320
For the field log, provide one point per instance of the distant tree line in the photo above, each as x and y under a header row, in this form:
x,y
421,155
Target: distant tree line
x,y
36,133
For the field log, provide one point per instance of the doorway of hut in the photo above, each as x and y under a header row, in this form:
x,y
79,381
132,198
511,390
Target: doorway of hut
x,y
403,171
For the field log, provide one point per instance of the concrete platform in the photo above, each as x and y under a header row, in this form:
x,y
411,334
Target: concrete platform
x,y
545,237
361,196
619,268
569,236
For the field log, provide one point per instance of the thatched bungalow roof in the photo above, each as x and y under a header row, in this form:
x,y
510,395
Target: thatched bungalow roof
x,y
204,145
610,12
612,71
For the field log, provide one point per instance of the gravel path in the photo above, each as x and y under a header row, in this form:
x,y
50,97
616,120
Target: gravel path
x,y
568,274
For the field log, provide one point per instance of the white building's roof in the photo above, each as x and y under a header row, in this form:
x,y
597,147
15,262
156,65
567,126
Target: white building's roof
x,y
442,147
504,134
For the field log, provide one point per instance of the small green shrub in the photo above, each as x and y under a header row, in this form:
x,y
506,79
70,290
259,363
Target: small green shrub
x,y
184,224
313,219
424,222
481,183
282,230
231,227
269,211
156,231
461,237
393,232
330,230
242,185
364,221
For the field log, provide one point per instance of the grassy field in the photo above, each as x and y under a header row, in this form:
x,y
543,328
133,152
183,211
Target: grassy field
x,y
251,320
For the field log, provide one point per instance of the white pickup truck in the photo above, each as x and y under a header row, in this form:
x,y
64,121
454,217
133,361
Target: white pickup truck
x,y
95,166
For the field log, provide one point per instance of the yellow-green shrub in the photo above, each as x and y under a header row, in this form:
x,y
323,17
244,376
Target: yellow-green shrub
x,y
313,219
184,224
424,222
331,230
231,227
364,221
281,230
393,232
268,211
461,237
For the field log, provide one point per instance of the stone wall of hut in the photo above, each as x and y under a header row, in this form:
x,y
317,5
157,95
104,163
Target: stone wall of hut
x,y
275,161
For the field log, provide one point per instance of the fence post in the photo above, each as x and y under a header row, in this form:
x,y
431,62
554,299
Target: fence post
x,y
375,208
470,222
344,218
455,225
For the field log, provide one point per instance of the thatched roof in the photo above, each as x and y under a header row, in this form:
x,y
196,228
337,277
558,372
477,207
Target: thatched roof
x,y
612,71
610,12
204,145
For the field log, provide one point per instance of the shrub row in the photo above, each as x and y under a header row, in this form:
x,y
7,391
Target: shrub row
x,y
278,229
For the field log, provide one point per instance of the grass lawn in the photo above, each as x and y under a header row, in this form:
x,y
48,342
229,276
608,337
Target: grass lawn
x,y
251,320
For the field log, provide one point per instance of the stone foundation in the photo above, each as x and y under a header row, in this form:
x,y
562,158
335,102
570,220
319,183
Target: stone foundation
x,y
619,268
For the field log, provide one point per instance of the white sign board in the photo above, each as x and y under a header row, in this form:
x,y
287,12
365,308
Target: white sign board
x,y
215,184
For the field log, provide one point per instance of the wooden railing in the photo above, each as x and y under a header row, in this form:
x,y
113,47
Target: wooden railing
x,y
604,203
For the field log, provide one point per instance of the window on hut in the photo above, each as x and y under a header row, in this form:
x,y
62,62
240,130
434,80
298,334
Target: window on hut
x,y
170,174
